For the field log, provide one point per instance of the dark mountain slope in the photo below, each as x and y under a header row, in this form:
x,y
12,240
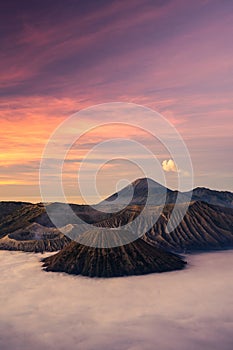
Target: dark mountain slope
x,y
7,207
222,198
20,217
204,226
135,258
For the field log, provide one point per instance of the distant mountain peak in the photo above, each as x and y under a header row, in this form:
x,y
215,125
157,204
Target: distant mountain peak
x,y
139,192
145,181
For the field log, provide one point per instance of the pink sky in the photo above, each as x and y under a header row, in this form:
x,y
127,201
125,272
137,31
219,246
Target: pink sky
x,y
173,56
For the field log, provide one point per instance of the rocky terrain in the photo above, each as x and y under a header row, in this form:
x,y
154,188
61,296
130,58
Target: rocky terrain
x,y
158,194
221,198
135,258
35,238
207,225
204,226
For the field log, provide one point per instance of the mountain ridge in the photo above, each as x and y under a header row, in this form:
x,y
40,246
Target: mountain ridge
x,y
166,195
205,225
34,238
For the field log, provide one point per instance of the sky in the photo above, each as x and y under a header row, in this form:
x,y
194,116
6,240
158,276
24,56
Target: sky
x,y
56,311
60,57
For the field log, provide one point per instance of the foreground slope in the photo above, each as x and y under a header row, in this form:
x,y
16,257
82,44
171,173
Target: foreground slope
x,y
136,258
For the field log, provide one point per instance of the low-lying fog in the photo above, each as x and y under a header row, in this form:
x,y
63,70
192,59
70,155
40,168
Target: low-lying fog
x,y
190,309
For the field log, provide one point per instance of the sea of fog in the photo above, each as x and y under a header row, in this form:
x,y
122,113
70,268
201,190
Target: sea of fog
x,y
190,309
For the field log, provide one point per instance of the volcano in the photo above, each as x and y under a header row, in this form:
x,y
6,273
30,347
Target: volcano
x,y
135,258
35,238
144,191
207,224
137,194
